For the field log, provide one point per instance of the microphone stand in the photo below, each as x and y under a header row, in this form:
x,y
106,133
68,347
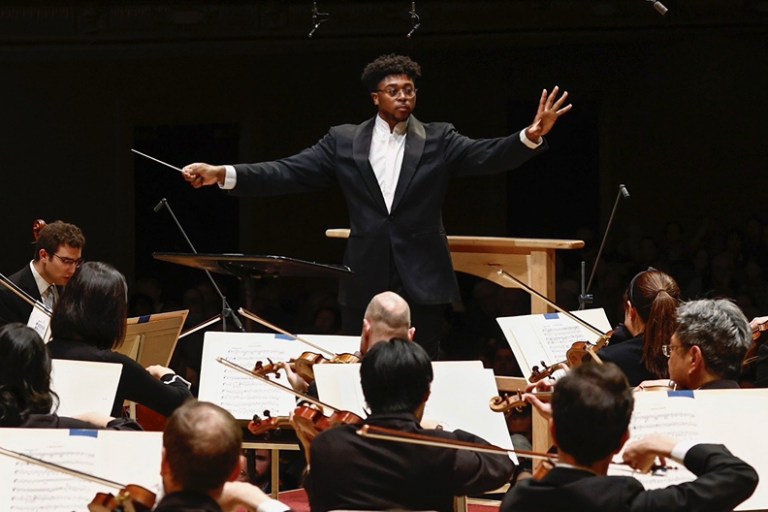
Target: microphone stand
x,y
226,311
585,297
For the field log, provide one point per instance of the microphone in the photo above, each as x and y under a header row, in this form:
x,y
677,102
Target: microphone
x,y
624,191
659,7
585,297
226,311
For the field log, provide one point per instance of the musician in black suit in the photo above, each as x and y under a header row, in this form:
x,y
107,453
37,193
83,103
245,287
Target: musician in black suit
x,y
708,347
394,171
201,461
58,253
349,472
591,409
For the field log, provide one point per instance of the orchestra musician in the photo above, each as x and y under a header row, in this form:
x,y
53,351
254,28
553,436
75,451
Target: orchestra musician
x,y
387,316
347,471
89,321
591,409
650,305
708,348
58,252
394,171
26,398
201,462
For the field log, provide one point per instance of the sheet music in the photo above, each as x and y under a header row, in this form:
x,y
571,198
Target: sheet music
x,y
73,382
108,454
41,323
242,395
547,337
675,416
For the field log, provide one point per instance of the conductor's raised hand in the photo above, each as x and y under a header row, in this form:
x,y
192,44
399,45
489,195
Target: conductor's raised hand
x,y
200,174
550,108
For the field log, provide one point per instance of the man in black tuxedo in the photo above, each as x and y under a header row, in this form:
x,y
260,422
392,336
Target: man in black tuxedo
x,y
58,253
591,409
350,472
394,171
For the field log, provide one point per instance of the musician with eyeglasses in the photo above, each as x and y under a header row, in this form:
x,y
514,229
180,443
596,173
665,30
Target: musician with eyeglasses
x,y
708,347
394,172
58,253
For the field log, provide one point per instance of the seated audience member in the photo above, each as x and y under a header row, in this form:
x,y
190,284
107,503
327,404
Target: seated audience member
x,y
650,306
347,471
387,316
708,348
58,251
89,321
591,409
201,461
26,399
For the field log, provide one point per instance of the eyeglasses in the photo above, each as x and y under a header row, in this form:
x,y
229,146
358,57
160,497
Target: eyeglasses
x,y
70,261
667,349
394,92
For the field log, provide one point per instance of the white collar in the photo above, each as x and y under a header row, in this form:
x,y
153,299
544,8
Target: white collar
x,y
382,126
42,284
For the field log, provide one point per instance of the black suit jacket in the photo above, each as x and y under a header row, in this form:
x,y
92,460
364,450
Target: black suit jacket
x,y
412,234
188,501
723,482
627,355
12,308
350,472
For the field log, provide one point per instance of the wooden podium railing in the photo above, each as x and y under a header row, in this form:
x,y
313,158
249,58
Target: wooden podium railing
x,y
531,260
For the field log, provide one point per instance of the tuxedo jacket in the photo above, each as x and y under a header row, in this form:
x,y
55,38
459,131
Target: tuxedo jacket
x,y
411,237
12,308
723,482
350,472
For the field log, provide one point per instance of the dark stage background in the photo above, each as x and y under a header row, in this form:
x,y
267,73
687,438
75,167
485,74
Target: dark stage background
x,y
673,107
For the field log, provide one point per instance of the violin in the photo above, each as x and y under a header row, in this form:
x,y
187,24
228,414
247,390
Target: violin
x,y
311,420
515,401
258,425
546,371
748,366
129,498
303,365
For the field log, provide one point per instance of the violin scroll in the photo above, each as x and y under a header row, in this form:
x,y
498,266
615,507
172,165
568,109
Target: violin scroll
x,y
37,225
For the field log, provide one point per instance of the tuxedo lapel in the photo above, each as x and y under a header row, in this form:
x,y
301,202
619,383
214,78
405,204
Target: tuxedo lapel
x,y
361,148
414,147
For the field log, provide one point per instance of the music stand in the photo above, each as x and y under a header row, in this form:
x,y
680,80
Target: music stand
x,y
247,266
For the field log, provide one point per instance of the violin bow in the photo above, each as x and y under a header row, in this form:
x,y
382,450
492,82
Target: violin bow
x,y
388,434
530,290
24,295
61,469
201,325
256,318
310,399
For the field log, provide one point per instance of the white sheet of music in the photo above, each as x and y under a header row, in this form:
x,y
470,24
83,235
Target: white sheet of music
x,y
244,396
74,382
459,399
124,457
548,336
735,418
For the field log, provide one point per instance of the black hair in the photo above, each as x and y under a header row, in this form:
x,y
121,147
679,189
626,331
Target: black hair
x,y
591,409
387,65
93,307
395,376
25,375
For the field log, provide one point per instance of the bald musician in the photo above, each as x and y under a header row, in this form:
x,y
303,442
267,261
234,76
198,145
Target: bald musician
x,y
387,316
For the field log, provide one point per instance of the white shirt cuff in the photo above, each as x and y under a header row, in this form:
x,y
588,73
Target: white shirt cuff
x,y
272,505
230,179
527,141
681,450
